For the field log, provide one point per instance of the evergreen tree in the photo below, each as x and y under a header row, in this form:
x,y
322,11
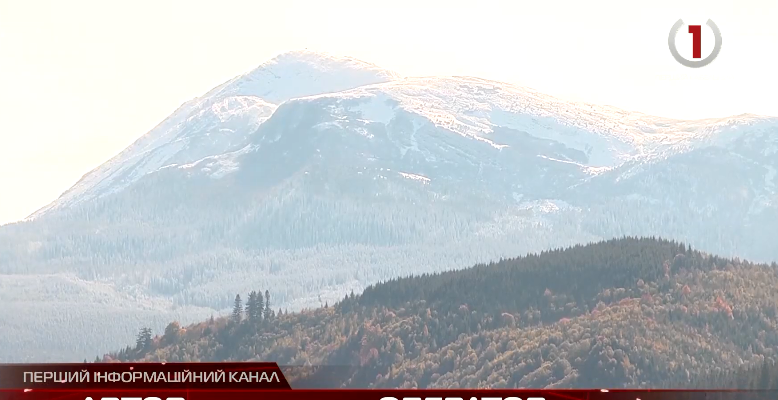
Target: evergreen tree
x,y
237,309
260,306
267,305
147,338
251,306
254,306
144,340
139,340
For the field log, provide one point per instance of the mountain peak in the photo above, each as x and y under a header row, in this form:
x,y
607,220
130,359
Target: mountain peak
x,y
323,61
303,73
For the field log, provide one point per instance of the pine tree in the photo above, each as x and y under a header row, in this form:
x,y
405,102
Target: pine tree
x,y
260,306
237,309
255,306
267,305
144,340
139,340
251,306
147,338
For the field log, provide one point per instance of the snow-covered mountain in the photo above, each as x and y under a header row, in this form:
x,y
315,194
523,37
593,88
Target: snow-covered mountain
x,y
222,118
314,175
216,124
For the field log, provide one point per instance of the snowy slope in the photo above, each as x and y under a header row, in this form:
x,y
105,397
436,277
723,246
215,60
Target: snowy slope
x,y
356,94
221,119
473,107
195,131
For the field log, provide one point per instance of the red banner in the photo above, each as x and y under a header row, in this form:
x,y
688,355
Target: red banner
x,y
275,394
244,381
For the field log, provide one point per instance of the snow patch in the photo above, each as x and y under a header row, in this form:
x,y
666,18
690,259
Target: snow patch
x,y
329,124
240,106
545,206
167,166
376,109
221,165
415,177
589,170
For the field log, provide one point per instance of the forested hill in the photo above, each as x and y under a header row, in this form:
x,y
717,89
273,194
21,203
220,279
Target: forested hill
x,y
622,313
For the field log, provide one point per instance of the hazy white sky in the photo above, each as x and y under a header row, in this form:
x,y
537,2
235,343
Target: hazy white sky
x,y
82,79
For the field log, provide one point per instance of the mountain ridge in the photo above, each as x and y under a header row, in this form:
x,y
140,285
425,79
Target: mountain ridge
x,y
623,313
323,194
607,123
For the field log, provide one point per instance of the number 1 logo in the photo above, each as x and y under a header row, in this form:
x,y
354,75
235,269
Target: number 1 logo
x,y
696,32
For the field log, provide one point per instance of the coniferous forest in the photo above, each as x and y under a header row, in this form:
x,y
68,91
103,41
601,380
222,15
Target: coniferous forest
x,y
630,312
